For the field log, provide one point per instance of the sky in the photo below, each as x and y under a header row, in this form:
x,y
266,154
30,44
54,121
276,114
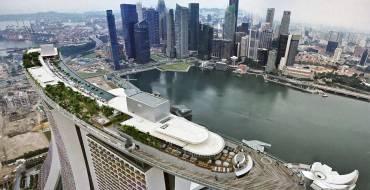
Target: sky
x,y
346,13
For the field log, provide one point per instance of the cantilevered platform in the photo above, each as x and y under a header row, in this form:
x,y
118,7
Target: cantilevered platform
x,y
267,173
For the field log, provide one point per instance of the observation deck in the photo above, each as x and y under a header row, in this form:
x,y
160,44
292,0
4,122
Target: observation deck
x,y
267,172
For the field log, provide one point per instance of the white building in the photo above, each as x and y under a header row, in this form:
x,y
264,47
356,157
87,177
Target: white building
x,y
337,54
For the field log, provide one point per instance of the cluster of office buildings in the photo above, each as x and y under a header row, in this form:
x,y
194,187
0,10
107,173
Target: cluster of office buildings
x,y
180,34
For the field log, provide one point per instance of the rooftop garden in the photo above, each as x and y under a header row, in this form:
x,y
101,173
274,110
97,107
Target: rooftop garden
x,y
31,60
145,138
84,107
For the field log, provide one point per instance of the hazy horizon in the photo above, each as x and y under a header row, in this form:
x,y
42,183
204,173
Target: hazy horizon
x,y
352,14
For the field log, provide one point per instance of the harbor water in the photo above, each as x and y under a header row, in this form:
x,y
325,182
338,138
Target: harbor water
x,y
302,127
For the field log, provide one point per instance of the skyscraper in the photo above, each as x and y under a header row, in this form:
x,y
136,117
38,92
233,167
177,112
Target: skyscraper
x,y
170,47
271,61
265,41
262,56
244,46
129,19
113,39
152,18
193,26
244,27
161,8
139,10
270,16
293,49
253,44
142,44
285,21
181,31
287,50
205,42
337,54
364,57
229,28
330,48
282,45
236,10
222,48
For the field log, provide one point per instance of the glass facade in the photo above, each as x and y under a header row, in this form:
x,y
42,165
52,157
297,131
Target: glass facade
x,y
152,18
129,19
142,44
193,26
113,39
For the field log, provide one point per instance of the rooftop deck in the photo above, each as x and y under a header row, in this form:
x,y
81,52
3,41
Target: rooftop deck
x,y
267,173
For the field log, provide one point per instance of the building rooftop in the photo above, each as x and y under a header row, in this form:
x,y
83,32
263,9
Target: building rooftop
x,y
43,77
48,50
184,130
176,130
148,99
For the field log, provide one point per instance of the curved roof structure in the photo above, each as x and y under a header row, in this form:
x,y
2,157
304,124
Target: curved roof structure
x,y
324,177
184,130
192,137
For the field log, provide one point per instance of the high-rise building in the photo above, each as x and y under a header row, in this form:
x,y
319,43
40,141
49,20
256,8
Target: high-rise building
x,y
236,11
333,36
205,42
161,8
113,39
244,47
253,43
262,56
244,27
193,26
129,19
337,54
293,49
285,22
142,44
330,48
282,46
171,41
222,48
287,50
364,58
181,31
270,16
229,27
152,18
271,61
139,10
266,39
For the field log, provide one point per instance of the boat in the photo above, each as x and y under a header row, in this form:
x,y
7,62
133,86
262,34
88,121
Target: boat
x,y
324,95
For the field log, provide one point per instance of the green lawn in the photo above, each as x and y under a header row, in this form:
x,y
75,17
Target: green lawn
x,y
177,67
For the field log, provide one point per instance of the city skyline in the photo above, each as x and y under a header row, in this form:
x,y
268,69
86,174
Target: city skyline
x,y
352,15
